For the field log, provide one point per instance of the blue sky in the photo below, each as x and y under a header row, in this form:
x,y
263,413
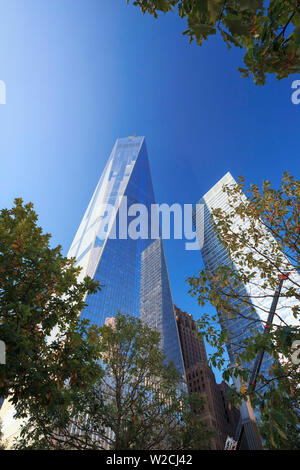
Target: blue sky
x,y
80,73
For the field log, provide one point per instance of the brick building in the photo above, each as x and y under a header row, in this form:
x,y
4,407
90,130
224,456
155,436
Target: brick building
x,y
218,413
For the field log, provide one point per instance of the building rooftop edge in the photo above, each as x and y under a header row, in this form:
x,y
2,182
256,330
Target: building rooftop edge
x,y
227,175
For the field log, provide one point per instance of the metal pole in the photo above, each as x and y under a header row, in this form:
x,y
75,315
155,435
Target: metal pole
x,y
258,362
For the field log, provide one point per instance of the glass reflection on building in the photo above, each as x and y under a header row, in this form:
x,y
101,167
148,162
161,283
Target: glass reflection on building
x,y
116,262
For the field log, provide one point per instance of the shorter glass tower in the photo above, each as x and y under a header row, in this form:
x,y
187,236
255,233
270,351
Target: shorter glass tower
x,y
156,303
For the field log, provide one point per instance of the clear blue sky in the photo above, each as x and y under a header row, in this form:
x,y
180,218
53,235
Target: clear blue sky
x,y
80,73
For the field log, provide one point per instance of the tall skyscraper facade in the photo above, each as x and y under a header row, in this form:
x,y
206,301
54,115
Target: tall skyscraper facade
x,y
132,271
214,254
123,265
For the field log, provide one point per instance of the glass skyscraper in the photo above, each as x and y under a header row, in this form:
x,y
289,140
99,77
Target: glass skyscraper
x,y
122,264
215,254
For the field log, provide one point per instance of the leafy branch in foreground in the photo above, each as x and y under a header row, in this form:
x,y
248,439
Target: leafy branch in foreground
x,y
269,31
260,239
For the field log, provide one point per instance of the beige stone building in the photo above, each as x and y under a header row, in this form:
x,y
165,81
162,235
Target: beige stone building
x,y
10,426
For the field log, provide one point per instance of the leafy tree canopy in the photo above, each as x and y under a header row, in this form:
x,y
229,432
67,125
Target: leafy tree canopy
x,y
40,302
137,404
269,31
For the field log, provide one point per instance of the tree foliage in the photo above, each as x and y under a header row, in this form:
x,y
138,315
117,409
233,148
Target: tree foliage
x,y
71,383
268,30
137,404
40,301
260,235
